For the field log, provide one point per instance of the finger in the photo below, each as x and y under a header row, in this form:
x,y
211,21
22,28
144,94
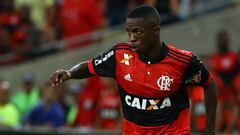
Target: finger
x,y
56,79
52,79
52,82
56,84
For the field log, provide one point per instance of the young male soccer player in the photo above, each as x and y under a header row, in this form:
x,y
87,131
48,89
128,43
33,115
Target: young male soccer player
x,y
151,78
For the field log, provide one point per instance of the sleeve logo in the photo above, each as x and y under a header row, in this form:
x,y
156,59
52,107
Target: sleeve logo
x,y
126,59
195,79
106,56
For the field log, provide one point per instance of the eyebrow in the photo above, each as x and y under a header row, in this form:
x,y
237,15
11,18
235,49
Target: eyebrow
x,y
137,28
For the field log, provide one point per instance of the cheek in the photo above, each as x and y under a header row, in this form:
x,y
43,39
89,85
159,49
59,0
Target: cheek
x,y
145,39
142,38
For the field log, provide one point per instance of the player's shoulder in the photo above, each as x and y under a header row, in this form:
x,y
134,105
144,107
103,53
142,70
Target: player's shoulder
x,y
174,49
179,54
124,46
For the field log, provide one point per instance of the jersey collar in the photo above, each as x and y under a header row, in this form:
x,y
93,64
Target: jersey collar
x,y
162,54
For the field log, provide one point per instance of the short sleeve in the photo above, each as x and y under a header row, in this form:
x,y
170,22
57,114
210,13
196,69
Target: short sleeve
x,y
104,64
197,73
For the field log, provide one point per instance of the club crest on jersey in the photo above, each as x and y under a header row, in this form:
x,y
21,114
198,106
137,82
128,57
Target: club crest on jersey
x,y
164,82
126,59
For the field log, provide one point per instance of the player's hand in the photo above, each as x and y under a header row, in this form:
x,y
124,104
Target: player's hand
x,y
59,77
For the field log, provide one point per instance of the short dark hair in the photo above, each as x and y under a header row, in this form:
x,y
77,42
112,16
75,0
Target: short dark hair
x,y
149,13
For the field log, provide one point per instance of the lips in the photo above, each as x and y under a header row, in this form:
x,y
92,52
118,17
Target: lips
x,y
135,45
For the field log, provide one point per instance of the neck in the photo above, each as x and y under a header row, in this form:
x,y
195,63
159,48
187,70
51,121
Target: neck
x,y
49,103
223,51
153,53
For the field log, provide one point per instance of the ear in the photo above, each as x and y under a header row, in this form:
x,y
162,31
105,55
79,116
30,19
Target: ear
x,y
156,29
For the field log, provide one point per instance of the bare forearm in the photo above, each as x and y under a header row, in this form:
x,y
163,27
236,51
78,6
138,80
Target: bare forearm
x,y
80,71
211,106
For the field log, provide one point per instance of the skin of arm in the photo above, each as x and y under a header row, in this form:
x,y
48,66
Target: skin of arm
x,y
210,100
79,71
219,117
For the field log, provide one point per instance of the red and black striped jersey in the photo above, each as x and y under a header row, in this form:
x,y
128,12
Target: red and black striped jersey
x,y
152,92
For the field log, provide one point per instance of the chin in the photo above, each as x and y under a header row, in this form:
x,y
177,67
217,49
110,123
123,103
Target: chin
x,y
135,45
140,49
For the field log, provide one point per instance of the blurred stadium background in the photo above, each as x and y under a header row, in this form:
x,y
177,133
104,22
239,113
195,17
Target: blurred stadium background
x,y
38,37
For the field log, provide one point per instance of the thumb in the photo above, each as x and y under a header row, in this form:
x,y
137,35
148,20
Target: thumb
x,y
61,80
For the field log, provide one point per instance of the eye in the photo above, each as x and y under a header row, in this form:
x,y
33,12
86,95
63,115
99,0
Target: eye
x,y
139,33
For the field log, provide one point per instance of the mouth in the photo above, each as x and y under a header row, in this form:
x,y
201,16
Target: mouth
x,y
135,45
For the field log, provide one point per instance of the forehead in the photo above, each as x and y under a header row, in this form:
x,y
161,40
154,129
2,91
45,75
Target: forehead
x,y
135,22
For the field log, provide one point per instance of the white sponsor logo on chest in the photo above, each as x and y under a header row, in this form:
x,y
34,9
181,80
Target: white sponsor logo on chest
x,y
147,104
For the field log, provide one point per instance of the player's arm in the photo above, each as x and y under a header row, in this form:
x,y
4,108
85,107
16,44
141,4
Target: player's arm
x,y
197,74
102,65
78,71
210,100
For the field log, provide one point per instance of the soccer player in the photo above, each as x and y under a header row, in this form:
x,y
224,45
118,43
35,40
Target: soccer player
x,y
151,78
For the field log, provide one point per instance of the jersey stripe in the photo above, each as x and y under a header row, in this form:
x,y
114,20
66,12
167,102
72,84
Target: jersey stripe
x,y
123,45
176,58
178,53
91,68
125,49
180,56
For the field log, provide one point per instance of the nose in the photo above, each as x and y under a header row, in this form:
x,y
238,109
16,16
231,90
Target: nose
x,y
133,37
